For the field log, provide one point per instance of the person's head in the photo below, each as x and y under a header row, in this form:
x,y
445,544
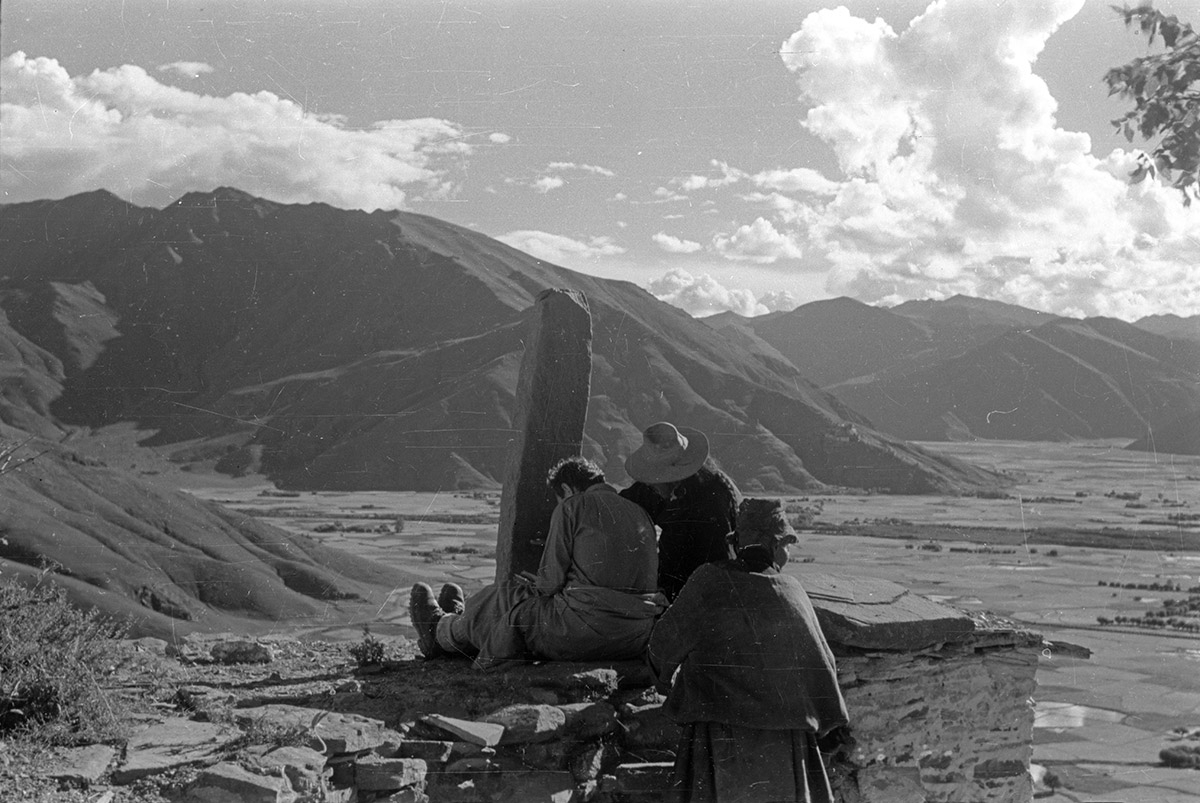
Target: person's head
x,y
763,532
668,454
573,475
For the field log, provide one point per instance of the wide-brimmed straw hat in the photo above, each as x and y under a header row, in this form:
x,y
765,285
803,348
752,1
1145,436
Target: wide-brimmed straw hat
x,y
668,454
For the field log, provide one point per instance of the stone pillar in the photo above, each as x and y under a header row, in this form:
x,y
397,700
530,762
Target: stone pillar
x,y
551,405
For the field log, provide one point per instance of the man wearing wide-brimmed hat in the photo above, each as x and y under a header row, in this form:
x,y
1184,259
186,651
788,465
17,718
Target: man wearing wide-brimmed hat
x,y
692,501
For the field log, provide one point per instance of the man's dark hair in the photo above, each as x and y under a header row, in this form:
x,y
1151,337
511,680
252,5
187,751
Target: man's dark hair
x,y
577,472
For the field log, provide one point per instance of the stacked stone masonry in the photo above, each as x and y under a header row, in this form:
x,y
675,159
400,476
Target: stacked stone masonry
x,y
947,723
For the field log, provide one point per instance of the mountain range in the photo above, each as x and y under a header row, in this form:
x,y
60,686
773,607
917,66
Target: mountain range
x,y
338,350
334,349
966,368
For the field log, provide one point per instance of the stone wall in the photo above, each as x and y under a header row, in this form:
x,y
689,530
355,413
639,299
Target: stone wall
x,y
945,725
949,723
946,718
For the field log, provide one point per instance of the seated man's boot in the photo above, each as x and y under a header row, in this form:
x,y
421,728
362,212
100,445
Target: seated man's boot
x,y
425,613
451,599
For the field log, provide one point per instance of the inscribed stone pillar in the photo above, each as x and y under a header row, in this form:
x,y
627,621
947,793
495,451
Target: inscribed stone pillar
x,y
551,405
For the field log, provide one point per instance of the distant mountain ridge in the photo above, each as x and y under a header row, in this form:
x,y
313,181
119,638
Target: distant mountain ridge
x,y
972,368
340,349
337,350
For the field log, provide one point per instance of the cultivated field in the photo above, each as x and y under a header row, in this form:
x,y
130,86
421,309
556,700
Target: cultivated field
x,y
1081,514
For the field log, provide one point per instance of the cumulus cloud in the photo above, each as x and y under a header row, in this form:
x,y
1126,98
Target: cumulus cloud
x,y
674,245
586,168
189,69
778,301
547,183
757,242
123,130
559,249
704,295
499,138
957,178
728,175
665,194
799,179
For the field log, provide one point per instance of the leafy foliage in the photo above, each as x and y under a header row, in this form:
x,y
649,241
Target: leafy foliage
x,y
53,657
1165,100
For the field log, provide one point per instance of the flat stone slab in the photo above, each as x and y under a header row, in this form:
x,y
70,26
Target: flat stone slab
x,y
176,742
878,614
229,783
331,732
486,734
82,765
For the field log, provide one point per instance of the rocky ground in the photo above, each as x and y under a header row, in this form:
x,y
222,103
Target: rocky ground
x,y
218,720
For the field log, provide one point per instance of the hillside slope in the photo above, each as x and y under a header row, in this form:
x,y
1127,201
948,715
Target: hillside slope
x,y
339,349
1096,378
967,367
167,561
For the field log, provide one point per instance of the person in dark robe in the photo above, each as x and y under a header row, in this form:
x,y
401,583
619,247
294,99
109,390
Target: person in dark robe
x,y
693,502
748,674
594,596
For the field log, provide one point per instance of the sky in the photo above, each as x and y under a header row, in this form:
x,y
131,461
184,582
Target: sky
x,y
744,155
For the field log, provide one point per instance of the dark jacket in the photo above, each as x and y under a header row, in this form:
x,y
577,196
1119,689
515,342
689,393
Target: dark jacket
x,y
749,651
695,523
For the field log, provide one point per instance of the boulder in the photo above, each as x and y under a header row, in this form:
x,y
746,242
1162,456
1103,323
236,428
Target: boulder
x,y
590,720
241,652
379,774
426,750
304,767
524,723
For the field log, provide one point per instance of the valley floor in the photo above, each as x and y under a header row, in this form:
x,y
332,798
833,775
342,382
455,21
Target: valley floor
x,y
1101,720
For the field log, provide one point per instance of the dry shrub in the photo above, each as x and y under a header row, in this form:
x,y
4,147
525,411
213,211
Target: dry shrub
x,y
53,658
368,652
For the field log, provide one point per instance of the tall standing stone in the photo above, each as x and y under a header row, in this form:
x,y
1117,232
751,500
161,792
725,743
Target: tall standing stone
x,y
551,406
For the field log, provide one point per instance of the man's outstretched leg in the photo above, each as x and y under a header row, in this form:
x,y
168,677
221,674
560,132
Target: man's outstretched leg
x,y
424,613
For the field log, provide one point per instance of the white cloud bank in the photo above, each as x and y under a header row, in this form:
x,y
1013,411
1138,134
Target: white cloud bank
x,y
675,245
188,69
704,295
150,143
758,242
956,177
547,183
559,249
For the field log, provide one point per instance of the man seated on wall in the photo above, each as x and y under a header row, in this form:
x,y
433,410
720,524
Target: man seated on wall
x,y
594,596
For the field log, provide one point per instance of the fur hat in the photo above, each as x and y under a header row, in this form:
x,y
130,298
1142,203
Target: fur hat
x,y
763,521
667,454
